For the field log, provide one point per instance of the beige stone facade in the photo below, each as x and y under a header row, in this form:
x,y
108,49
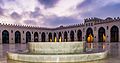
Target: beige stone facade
x,y
97,27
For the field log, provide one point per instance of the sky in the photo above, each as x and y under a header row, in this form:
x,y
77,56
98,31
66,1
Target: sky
x,y
54,13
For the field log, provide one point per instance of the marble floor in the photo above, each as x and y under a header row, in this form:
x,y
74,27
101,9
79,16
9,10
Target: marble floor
x,y
113,48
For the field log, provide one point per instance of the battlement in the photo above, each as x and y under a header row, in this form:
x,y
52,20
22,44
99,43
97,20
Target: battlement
x,y
93,19
24,26
108,20
70,26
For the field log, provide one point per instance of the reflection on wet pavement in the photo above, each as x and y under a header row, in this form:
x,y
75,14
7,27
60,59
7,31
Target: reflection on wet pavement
x,y
113,48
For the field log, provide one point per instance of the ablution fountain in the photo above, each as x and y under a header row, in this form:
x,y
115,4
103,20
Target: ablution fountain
x,y
56,52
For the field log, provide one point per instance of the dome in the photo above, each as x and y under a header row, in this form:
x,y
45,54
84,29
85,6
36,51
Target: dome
x,y
108,18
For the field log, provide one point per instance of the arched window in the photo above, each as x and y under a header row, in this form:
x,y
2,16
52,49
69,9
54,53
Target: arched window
x,y
5,36
72,35
101,35
50,37
17,37
89,35
60,36
28,37
79,35
36,37
43,37
114,33
65,36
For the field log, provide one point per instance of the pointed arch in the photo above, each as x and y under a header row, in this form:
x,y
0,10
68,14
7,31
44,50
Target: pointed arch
x,y
89,32
65,36
114,34
72,35
36,37
55,37
50,36
43,37
101,34
79,35
17,37
5,37
60,35
28,37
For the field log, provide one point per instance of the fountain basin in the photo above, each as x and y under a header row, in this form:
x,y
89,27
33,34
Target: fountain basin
x,y
56,47
56,52
57,58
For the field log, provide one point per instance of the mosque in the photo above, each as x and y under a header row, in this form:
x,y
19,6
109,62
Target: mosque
x,y
92,30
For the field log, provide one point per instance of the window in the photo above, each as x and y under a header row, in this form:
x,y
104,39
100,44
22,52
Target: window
x,y
11,31
107,27
91,24
83,29
86,25
94,28
23,32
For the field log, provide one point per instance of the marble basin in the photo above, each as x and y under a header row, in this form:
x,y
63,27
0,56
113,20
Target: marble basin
x,y
56,52
56,47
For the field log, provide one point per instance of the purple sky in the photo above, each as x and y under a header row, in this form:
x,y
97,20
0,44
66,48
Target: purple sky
x,y
53,13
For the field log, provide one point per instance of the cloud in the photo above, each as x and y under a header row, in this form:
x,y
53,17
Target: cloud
x,y
35,13
65,8
97,8
1,11
1,3
30,22
48,3
57,21
94,9
107,11
53,13
15,16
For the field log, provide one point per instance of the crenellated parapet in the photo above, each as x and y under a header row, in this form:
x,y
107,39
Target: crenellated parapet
x,y
87,21
23,26
108,20
69,26
92,19
100,21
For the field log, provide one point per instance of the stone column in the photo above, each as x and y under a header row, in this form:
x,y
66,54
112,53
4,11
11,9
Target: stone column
x,y
46,37
32,36
23,36
108,35
53,37
83,34
11,37
39,34
62,37
95,35
75,36
68,36
57,37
